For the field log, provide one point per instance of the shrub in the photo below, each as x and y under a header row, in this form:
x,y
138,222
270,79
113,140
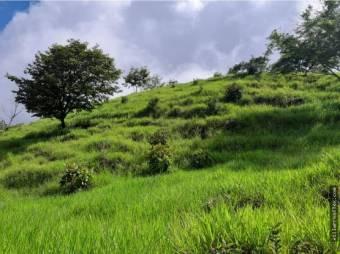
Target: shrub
x,y
233,94
75,178
152,109
158,138
124,99
201,159
195,82
194,128
159,155
26,178
159,159
212,108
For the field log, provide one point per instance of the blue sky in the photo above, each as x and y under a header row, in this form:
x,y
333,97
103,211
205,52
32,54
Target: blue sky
x,y
9,8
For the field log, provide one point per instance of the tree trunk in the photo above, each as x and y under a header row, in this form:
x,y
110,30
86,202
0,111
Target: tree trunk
x,y
63,125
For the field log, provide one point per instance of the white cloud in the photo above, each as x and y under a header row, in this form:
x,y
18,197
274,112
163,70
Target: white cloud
x,y
189,7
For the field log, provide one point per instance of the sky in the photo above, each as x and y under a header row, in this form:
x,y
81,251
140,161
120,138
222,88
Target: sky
x,y
179,40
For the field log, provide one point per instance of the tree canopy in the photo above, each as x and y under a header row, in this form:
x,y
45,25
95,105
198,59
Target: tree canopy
x,y
314,45
66,78
141,78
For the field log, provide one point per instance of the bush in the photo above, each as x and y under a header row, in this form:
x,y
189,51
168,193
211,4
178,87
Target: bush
x,y
195,82
159,155
158,138
26,178
124,99
152,109
194,128
172,83
159,159
201,159
75,178
233,94
212,108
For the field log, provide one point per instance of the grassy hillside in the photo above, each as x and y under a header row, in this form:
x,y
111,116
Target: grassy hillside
x,y
271,158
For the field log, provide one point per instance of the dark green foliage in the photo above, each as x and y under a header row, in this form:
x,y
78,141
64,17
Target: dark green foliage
x,y
158,159
306,246
278,100
201,159
315,45
152,109
274,240
160,137
195,82
137,77
75,178
212,107
194,128
159,155
26,178
124,99
255,66
233,94
66,78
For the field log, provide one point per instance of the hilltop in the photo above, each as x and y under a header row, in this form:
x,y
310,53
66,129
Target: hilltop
x,y
244,173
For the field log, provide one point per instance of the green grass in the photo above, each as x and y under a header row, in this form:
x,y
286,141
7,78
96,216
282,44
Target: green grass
x,y
273,162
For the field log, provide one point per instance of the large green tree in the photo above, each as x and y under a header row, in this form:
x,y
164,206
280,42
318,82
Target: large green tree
x,y
314,45
66,78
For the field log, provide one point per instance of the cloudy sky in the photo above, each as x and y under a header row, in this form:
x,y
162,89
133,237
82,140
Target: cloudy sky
x,y
176,39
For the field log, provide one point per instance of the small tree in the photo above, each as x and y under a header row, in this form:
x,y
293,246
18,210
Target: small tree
x,y
66,78
153,82
137,78
254,66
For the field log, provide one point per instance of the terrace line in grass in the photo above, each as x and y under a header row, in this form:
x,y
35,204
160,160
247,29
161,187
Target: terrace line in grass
x,y
270,165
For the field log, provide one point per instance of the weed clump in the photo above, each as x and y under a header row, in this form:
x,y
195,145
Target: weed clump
x,y
201,159
159,154
233,94
75,178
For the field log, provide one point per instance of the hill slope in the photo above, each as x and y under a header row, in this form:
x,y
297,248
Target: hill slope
x,y
271,158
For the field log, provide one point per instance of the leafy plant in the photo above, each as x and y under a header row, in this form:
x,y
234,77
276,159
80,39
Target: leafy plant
x,y
75,178
201,159
233,94
124,99
159,159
